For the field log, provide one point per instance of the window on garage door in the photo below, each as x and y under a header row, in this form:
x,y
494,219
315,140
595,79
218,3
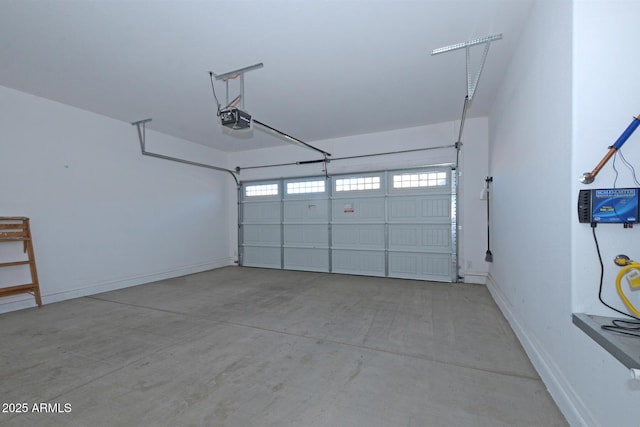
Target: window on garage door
x,y
303,187
357,183
261,190
420,179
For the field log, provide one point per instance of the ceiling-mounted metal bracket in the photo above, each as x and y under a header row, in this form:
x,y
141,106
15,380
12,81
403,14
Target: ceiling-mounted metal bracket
x,y
141,126
472,84
230,75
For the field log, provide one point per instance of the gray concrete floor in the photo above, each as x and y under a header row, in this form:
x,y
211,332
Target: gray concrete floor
x,y
246,347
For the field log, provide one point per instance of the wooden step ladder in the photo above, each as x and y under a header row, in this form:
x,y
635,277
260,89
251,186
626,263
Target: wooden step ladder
x,y
17,229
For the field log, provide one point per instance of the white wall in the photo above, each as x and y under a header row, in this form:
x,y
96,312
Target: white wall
x,y
542,136
102,215
473,168
604,105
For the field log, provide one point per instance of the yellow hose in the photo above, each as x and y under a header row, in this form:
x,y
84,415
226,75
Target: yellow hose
x,y
630,266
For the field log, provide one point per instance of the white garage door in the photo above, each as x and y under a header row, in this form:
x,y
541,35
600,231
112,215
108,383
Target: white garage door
x,y
393,224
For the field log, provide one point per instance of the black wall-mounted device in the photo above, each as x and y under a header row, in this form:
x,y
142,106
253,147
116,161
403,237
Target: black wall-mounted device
x,y
609,205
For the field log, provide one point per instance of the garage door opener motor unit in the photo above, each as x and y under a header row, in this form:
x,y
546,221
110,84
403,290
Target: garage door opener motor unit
x,y
235,119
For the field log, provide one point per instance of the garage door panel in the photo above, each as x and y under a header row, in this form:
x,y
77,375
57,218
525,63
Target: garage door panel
x,y
261,234
306,259
358,209
262,256
368,263
310,235
306,210
260,229
265,212
435,208
366,236
415,265
423,237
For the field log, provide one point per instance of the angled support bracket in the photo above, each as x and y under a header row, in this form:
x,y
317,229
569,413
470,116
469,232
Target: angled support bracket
x,y
141,126
472,83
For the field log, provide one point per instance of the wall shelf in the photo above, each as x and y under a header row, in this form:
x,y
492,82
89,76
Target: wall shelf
x,y
624,348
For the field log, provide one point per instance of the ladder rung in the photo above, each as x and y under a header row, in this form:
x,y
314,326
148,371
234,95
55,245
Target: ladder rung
x,y
8,264
14,236
13,226
15,290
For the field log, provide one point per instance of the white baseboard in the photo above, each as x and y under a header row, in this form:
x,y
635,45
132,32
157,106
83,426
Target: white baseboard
x,y
479,278
569,403
27,301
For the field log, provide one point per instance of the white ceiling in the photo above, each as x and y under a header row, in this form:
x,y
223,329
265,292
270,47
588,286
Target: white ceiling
x,y
331,68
